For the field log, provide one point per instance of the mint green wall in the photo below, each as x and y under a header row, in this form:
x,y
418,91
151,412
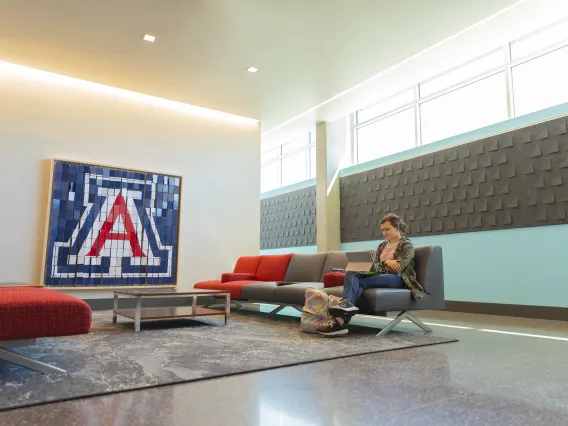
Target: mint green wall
x,y
524,266
495,266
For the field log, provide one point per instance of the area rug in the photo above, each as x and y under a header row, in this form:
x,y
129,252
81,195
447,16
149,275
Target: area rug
x,y
112,358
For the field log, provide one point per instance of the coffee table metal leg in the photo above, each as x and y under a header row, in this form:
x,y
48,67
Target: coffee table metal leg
x,y
194,305
137,314
227,308
115,309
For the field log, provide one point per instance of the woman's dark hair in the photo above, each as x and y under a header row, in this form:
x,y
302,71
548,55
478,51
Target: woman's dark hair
x,y
395,221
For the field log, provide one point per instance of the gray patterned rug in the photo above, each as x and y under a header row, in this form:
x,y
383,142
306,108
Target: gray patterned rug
x,y
112,358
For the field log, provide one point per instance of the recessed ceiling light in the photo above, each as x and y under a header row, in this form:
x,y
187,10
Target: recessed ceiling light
x,y
252,69
150,38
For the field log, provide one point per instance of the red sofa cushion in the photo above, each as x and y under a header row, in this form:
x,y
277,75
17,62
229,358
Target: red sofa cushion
x,y
247,264
32,312
333,279
273,267
236,276
206,283
234,287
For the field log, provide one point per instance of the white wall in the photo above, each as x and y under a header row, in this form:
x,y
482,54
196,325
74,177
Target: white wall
x,y
218,160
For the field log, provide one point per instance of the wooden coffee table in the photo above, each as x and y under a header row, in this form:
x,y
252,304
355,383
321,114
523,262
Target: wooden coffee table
x,y
183,311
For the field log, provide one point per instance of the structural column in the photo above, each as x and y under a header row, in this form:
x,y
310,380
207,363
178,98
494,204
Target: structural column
x,y
333,152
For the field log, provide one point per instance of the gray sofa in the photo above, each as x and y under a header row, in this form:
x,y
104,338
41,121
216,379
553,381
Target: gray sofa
x,y
312,270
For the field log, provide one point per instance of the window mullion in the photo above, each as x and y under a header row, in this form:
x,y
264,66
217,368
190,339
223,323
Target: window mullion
x,y
417,117
279,172
307,165
353,141
355,145
509,81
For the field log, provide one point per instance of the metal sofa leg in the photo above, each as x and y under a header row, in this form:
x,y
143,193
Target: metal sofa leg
x,y
418,322
210,303
276,310
31,364
279,308
215,301
399,318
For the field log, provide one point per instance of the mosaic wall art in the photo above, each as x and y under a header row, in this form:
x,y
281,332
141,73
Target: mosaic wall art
x,y
111,227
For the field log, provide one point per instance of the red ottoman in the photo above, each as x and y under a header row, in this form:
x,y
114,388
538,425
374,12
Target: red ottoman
x,y
28,313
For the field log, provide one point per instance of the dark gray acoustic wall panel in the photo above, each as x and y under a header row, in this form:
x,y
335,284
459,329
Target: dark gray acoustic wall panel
x,y
517,179
288,220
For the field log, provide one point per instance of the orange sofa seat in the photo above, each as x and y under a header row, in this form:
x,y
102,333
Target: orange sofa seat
x,y
250,270
234,287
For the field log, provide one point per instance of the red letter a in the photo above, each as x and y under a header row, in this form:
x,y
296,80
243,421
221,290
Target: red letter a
x,y
118,209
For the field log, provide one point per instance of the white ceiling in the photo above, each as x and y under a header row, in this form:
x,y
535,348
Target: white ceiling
x,y
307,50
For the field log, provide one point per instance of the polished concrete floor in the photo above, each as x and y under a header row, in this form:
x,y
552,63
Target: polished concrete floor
x,y
504,371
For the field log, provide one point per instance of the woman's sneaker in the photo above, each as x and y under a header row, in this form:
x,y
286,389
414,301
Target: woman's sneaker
x,y
343,309
333,328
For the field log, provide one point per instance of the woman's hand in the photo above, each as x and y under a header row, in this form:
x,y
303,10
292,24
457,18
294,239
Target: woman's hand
x,y
393,264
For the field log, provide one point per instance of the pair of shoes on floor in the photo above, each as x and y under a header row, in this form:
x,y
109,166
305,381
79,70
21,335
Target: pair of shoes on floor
x,y
333,328
345,310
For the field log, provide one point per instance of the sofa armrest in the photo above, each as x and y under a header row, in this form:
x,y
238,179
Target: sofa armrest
x,y
333,279
237,276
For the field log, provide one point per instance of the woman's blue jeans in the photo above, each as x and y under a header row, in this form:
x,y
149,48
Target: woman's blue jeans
x,y
355,283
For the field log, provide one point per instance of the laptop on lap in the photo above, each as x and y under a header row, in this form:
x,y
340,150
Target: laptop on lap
x,y
363,262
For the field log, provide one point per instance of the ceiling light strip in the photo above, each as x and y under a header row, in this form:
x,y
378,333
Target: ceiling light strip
x,y
8,68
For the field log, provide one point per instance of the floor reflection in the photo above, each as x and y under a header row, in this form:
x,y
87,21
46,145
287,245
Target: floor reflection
x,y
486,378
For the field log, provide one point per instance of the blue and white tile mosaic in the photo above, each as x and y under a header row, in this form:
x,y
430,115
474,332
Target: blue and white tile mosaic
x,y
111,227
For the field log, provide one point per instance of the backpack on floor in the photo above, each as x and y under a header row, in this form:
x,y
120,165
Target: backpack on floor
x,y
315,312
316,309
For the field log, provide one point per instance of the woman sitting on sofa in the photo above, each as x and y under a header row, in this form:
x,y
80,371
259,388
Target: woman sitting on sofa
x,y
395,261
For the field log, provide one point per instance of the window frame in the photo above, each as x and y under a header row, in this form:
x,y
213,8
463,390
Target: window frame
x,y
376,120
310,142
278,173
506,66
462,86
544,49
